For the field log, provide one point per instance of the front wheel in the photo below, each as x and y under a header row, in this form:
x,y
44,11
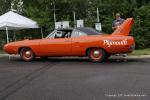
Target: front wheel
x,y
96,54
26,54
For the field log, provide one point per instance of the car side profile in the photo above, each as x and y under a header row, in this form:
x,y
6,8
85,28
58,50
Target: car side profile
x,y
76,42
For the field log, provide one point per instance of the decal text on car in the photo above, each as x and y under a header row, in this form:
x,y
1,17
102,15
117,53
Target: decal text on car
x,y
109,43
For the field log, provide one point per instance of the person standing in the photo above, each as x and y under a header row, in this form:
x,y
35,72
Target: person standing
x,y
117,22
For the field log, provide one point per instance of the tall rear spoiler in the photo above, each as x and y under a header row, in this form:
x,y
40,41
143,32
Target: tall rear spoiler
x,y
125,28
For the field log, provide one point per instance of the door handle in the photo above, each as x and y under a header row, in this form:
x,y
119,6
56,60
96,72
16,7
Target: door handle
x,y
76,44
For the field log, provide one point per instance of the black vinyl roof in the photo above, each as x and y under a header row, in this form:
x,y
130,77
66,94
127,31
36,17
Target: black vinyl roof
x,y
87,30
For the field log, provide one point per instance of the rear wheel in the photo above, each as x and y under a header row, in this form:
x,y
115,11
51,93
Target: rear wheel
x,y
96,54
26,54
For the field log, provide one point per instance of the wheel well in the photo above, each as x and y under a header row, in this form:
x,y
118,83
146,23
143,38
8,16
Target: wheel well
x,y
22,48
94,47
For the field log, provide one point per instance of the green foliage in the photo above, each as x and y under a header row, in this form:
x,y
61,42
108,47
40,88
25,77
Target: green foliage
x,y
141,29
4,6
42,12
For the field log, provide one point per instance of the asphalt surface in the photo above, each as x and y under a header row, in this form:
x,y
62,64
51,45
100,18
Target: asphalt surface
x,y
74,79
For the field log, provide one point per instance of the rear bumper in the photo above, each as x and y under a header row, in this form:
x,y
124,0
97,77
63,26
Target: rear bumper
x,y
132,47
122,50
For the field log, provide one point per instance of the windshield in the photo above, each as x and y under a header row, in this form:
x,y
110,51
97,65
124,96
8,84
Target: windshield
x,y
51,34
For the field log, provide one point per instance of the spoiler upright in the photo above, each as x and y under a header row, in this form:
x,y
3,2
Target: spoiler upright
x,y
125,28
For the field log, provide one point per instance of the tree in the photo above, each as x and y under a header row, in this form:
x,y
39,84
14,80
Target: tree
x,y
17,5
42,11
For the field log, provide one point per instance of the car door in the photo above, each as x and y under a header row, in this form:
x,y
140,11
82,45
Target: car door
x,y
79,42
55,46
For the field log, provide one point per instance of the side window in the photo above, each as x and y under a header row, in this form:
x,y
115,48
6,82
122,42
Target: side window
x,y
81,33
63,34
74,33
60,34
77,33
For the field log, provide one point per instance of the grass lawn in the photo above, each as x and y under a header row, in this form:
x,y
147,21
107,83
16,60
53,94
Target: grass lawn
x,y
141,52
1,52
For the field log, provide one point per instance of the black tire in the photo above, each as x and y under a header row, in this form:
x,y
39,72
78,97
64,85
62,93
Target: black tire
x,y
99,57
27,54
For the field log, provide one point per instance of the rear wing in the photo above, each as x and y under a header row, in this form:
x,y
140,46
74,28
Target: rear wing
x,y
125,28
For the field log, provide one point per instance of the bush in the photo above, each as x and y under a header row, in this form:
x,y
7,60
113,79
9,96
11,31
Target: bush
x,y
141,29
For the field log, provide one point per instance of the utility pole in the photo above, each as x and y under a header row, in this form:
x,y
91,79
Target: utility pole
x,y
98,15
54,12
53,4
98,25
74,16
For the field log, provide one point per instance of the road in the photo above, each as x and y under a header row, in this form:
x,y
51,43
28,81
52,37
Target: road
x,y
74,79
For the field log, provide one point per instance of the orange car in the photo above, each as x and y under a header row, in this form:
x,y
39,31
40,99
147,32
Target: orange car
x,y
76,42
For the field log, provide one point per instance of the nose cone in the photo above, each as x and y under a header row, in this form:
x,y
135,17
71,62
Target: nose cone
x,y
6,48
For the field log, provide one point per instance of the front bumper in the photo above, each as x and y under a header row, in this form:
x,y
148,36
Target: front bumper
x,y
9,49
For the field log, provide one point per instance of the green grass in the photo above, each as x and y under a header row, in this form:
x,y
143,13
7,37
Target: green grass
x,y
2,52
141,52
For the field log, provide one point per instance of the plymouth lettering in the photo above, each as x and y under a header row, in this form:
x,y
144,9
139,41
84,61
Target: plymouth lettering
x,y
109,43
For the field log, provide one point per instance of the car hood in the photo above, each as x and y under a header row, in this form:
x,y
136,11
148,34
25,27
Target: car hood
x,y
24,42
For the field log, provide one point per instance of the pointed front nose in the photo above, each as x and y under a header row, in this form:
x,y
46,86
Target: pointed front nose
x,y
6,48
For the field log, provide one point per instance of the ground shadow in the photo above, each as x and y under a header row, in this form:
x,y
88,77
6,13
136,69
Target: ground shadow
x,y
76,59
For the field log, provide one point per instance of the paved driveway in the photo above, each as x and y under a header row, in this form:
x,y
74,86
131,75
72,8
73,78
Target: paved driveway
x,y
74,79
